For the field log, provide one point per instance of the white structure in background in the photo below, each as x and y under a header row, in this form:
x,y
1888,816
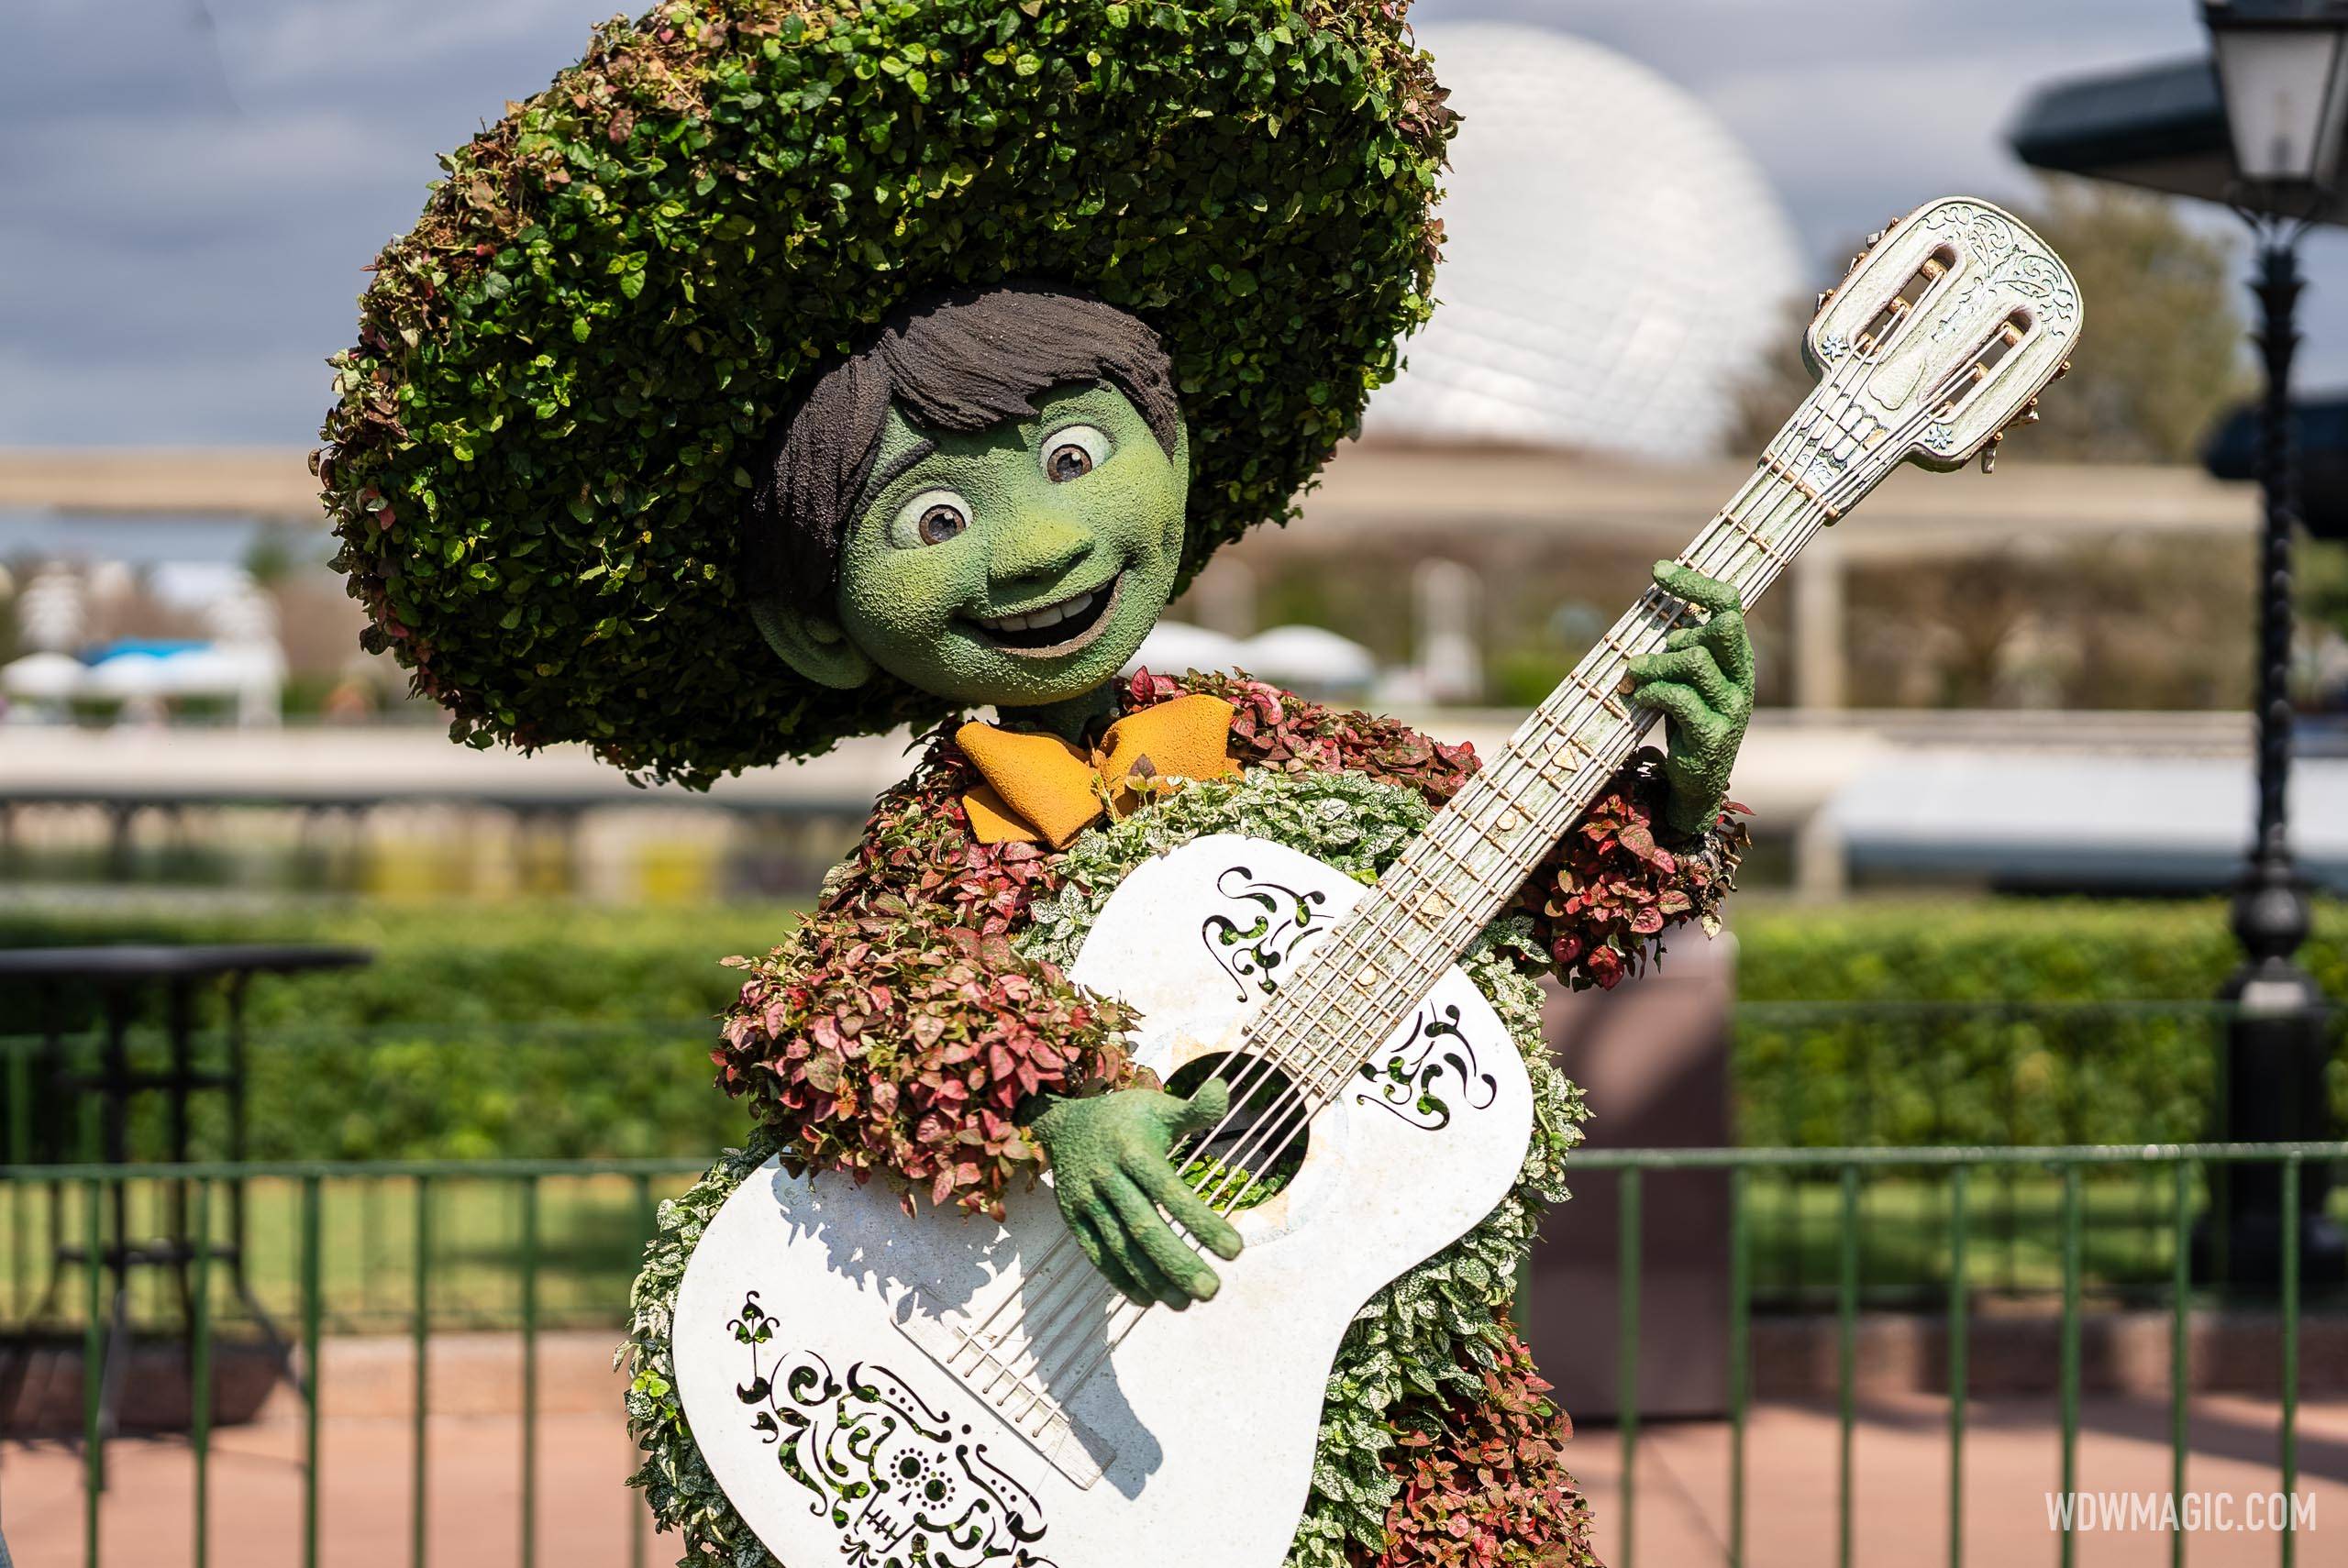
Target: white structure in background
x,y
1304,659
1448,597
1446,665
242,664
1310,661
1614,260
52,613
1173,646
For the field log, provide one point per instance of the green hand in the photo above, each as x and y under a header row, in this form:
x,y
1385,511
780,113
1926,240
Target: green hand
x,y
1110,1164
1702,684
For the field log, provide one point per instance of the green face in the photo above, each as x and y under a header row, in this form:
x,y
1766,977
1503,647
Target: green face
x,y
1021,565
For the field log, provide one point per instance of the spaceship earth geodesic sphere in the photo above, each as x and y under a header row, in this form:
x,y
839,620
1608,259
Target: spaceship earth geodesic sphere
x,y
1614,260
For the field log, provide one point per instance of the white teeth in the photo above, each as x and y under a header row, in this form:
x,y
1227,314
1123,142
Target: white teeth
x,y
1036,620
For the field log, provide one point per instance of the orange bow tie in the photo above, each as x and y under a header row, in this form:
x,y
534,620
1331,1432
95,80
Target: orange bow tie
x,y
1040,788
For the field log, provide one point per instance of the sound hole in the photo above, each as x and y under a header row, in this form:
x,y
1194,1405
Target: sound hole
x,y
1262,1144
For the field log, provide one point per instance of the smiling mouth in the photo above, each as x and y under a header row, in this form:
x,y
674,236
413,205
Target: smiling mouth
x,y
1059,627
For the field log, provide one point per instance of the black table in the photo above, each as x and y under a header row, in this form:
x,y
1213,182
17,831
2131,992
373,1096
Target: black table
x,y
122,979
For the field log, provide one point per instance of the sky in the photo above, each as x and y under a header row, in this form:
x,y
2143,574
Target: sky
x,y
190,188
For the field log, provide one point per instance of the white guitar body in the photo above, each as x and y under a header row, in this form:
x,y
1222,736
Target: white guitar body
x,y
879,1392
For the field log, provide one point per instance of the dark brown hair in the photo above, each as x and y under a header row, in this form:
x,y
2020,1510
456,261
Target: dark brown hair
x,y
960,361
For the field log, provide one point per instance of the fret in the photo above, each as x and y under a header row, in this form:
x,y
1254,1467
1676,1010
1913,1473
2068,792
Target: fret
x,y
1473,861
1521,777
1759,540
1622,654
1573,738
1606,700
1434,841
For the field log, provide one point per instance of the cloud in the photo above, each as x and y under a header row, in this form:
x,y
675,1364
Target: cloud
x,y
192,195
194,186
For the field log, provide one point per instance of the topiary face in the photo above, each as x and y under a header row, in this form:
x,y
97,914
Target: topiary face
x,y
1017,566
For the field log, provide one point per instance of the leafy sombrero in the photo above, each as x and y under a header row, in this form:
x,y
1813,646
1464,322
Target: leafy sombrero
x,y
546,436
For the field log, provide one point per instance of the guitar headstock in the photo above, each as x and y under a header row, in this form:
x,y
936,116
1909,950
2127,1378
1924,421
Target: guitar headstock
x,y
1945,331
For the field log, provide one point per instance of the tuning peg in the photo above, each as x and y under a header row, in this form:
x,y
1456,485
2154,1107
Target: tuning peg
x,y
1824,297
1874,239
1990,453
2030,412
2060,371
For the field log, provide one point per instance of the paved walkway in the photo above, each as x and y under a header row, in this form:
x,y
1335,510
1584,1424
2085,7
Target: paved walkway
x,y
584,1515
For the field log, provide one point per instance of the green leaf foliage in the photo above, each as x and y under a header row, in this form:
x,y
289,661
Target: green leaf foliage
x,y
566,372
1434,1334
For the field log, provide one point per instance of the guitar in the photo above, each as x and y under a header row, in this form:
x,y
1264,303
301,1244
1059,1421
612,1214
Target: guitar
x,y
958,1394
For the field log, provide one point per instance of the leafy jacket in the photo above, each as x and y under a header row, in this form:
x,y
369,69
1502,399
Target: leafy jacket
x,y
900,1030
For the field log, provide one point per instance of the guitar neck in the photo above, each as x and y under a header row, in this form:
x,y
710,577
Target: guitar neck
x,y
1364,979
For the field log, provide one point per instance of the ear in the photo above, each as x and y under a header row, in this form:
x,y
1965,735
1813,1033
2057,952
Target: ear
x,y
813,645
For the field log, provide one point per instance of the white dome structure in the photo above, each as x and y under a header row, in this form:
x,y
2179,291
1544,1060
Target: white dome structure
x,y
1614,262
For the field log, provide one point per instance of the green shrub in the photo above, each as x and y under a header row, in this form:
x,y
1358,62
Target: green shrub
x,y
2071,949
521,1030
555,1030
565,373
1996,1021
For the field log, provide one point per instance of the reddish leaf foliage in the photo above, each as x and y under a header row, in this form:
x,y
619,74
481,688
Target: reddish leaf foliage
x,y
1277,729
1609,889
899,1029
1484,1482
907,1047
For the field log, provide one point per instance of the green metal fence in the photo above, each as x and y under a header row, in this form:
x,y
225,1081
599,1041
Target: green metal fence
x,y
2186,1166
422,1247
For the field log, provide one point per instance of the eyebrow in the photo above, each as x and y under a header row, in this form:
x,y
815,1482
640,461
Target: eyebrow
x,y
894,470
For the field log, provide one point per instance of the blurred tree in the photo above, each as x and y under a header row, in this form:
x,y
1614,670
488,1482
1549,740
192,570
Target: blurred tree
x,y
2163,352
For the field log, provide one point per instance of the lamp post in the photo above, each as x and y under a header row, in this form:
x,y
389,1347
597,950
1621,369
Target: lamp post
x,y
2281,67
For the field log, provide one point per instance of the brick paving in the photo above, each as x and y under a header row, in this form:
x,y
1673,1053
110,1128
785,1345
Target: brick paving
x,y
584,1515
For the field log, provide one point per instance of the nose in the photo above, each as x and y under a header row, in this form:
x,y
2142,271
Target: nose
x,y
1039,546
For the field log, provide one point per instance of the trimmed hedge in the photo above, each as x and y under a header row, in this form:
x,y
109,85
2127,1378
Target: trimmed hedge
x,y
2067,950
531,1030
565,373
559,1030
2021,1021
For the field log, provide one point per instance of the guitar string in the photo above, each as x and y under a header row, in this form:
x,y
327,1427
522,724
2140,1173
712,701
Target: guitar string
x,y
1807,514
1735,533
1806,518
1475,843
1653,605
1477,828
1324,979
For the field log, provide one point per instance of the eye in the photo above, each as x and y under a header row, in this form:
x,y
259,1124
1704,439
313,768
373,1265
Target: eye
x,y
1073,453
930,518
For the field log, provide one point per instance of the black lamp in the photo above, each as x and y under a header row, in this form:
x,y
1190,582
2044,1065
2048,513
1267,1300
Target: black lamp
x,y
2259,128
2283,69
2283,72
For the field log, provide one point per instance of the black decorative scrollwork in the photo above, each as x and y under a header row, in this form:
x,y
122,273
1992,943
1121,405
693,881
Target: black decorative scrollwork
x,y
1435,1049
1278,920
905,1486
